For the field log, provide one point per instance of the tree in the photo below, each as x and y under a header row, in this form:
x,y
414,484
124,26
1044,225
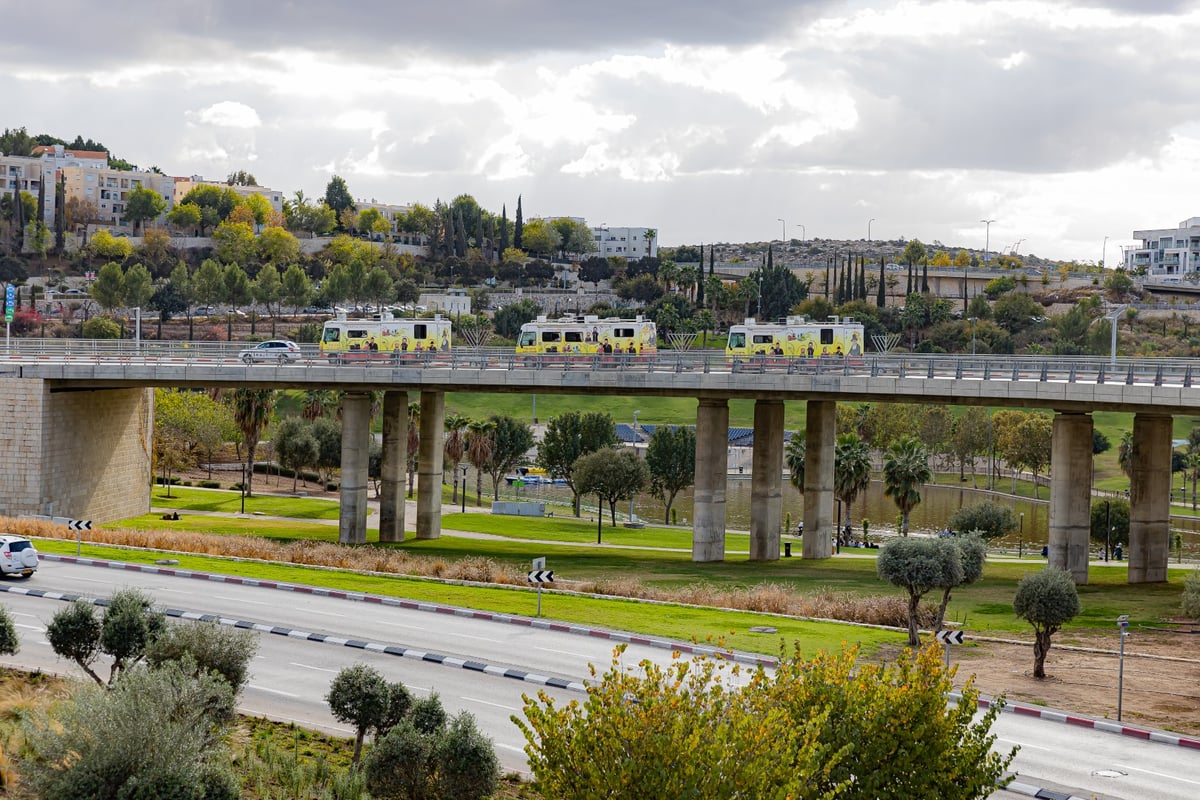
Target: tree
x,y
1125,454
990,520
919,566
671,460
138,287
127,628
479,452
1109,523
234,243
540,238
277,246
906,468
969,439
509,319
851,470
1190,605
295,446
510,441
1047,600
1016,312
296,288
143,204
359,696
9,643
157,733
185,216
338,197
611,474
914,253
252,411
812,729
569,436
208,284
795,455
206,647
454,447
267,290
108,290
971,553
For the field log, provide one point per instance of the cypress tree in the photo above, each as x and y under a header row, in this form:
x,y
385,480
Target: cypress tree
x,y
880,297
18,220
460,235
770,258
41,212
925,277
700,280
862,278
519,226
479,230
908,289
60,214
828,263
503,229
847,286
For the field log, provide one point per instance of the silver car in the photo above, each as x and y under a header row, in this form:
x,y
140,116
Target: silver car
x,y
281,351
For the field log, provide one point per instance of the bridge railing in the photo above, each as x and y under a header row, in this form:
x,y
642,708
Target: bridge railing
x,y
1063,369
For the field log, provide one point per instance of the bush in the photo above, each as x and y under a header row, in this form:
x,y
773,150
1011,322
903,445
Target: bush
x,y
209,484
991,520
1191,595
331,487
210,647
398,764
101,328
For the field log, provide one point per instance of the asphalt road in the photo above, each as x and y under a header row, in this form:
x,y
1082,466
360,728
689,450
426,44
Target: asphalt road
x,y
291,675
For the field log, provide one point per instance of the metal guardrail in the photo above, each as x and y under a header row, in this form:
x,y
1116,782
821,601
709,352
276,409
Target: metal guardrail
x,y
1091,370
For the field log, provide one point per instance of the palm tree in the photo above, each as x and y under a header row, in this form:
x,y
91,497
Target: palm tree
x,y
252,411
454,447
414,443
478,443
794,453
1125,454
1193,460
906,468
851,469
317,403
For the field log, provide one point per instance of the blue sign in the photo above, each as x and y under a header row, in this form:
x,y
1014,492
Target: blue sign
x,y
10,295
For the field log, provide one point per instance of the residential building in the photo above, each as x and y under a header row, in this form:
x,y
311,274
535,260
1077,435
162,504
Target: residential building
x,y
1166,253
28,173
108,190
629,243
393,214
185,185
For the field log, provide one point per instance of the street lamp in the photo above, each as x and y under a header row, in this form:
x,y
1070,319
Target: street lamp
x,y
972,320
803,233
243,487
783,227
1103,253
1107,528
1021,538
987,239
837,539
635,438
872,219
464,489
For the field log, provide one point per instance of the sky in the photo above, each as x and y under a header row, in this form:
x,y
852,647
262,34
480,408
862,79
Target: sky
x,y
1066,123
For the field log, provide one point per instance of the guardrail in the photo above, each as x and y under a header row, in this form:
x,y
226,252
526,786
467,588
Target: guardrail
x,y
1130,372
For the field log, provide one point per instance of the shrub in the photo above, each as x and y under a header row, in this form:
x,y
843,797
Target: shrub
x,y
331,487
10,644
1047,600
210,647
209,484
991,520
1191,595
398,764
359,696
101,328
467,768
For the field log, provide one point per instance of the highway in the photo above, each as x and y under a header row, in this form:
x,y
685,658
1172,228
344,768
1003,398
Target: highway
x,y
290,675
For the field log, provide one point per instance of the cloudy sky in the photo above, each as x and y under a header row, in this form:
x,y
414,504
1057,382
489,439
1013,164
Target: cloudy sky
x,y
710,120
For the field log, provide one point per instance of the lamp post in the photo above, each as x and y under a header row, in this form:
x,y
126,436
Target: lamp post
x,y
972,320
243,487
783,228
1021,538
1113,316
464,489
635,439
872,219
987,239
803,232
1107,528
1103,253
837,539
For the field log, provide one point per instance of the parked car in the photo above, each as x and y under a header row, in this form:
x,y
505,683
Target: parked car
x,y
278,350
18,556
202,311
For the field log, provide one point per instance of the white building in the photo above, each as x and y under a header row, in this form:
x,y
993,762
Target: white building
x,y
29,173
629,243
107,190
1166,253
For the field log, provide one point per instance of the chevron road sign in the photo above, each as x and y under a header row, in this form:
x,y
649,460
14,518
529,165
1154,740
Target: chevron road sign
x,y
950,637
540,576
79,525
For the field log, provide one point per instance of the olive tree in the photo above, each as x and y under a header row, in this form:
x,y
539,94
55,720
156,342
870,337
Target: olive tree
x,y
129,625
10,644
210,647
359,696
971,554
990,520
1047,600
919,566
1191,595
611,474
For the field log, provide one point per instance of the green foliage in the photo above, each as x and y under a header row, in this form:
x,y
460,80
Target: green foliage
x,y
359,696
427,714
919,566
811,729
210,647
156,734
129,625
906,468
569,436
108,290
1114,513
612,474
10,644
101,328
398,765
509,441
1191,595
998,286
1047,600
991,520
508,320
467,767
671,460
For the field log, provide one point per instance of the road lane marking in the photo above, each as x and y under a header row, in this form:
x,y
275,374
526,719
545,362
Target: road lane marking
x,y
271,691
560,652
240,600
321,613
487,703
1026,745
309,666
1157,774
477,638
29,627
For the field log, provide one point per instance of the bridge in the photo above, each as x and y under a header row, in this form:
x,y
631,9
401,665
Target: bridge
x,y
79,413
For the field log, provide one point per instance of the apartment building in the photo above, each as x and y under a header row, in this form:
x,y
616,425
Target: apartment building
x,y
630,243
107,190
29,173
185,185
1166,254
393,214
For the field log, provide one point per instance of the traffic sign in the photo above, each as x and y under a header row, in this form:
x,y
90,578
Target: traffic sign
x,y
10,295
950,637
1123,621
540,576
539,563
79,525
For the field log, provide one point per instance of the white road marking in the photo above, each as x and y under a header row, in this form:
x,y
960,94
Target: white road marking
x,y
240,600
1026,745
322,613
402,625
560,652
1157,774
29,627
271,691
476,638
309,666
486,703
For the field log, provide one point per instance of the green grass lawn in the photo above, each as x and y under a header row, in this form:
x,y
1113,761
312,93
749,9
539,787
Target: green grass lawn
x,y
185,499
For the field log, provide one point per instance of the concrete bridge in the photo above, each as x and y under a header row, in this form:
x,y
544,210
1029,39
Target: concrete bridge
x,y
78,419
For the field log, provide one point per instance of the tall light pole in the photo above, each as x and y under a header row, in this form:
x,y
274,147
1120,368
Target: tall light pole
x,y
783,227
1103,253
987,239
464,489
872,219
803,233
635,438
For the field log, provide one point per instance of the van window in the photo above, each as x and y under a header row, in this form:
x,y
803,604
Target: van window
x,y
332,334
826,335
737,340
573,336
353,334
550,336
623,333
419,331
763,338
528,339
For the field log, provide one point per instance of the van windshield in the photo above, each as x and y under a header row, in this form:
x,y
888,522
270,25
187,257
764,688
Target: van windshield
x,y
332,335
737,340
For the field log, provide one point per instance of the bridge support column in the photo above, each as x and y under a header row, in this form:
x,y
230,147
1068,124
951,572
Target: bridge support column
x,y
1071,494
820,437
766,486
429,466
1150,499
394,458
712,467
356,432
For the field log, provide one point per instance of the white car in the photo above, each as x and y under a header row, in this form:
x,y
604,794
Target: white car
x,y
18,556
280,351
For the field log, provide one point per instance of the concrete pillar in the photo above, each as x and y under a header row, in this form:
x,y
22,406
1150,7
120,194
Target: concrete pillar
x,y
429,465
1071,494
1150,499
712,466
819,438
766,486
356,433
392,468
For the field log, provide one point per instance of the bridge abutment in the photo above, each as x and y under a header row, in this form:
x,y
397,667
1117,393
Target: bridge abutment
x,y
356,434
1150,498
766,488
429,465
712,467
393,461
1071,494
819,438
